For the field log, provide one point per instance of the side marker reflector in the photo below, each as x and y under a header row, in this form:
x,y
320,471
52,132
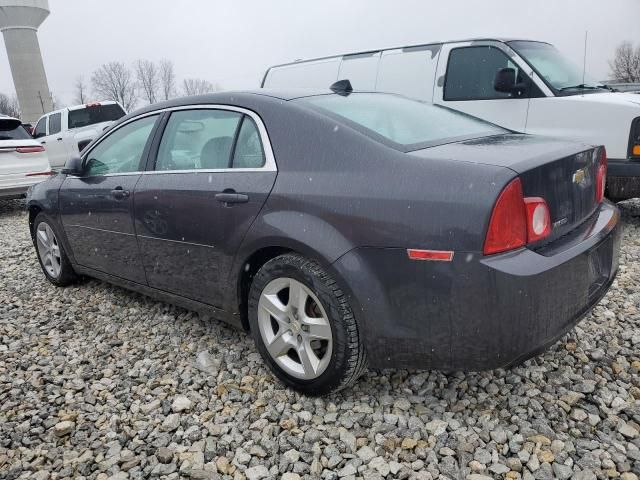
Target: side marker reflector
x,y
432,255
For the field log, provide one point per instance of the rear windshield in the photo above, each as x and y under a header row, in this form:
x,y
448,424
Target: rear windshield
x,y
9,131
401,122
95,114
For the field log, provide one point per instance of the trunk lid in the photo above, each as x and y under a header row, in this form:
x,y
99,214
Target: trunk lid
x,y
563,173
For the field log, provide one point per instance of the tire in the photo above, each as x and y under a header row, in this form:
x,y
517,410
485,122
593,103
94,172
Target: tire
x,y
337,356
57,269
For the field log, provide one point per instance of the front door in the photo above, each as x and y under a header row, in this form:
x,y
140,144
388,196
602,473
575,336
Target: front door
x,y
465,82
212,173
97,208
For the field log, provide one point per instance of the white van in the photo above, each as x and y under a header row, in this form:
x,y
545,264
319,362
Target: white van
x,y
522,85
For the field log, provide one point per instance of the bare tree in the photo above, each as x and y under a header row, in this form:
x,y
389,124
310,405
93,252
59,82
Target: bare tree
x,y
9,105
197,86
625,66
114,81
148,79
81,91
167,79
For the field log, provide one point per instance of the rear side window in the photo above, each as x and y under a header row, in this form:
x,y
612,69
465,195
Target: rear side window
x,y
122,151
96,113
55,123
12,130
248,152
400,122
198,139
41,128
471,72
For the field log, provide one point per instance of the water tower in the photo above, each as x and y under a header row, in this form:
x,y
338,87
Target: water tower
x,y
19,22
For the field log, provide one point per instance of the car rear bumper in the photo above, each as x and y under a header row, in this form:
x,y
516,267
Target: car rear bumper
x,y
623,179
475,312
17,187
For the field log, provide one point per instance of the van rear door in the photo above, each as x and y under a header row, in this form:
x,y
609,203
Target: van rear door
x,y
465,79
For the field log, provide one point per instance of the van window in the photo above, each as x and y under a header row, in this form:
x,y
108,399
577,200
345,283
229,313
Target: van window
x,y
55,123
400,122
409,72
471,72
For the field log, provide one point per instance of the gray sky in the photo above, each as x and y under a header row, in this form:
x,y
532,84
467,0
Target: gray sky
x,y
233,42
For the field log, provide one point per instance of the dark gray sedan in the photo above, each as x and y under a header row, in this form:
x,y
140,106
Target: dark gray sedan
x,y
342,229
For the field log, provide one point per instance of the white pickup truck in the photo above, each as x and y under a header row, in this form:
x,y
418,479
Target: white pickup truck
x,y
522,85
64,133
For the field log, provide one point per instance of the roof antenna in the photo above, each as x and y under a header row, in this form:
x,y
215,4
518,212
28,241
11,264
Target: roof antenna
x,y
342,87
584,60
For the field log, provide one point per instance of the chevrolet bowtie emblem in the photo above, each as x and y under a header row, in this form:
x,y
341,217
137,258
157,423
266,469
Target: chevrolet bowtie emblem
x,y
579,176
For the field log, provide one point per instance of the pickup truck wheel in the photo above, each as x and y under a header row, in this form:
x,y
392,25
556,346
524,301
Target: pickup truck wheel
x,y
53,260
303,326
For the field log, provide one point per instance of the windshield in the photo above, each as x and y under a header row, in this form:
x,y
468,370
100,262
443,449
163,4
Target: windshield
x,y
407,124
95,114
558,71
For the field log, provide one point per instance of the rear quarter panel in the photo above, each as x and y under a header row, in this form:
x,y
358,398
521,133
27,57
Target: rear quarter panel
x,y
337,189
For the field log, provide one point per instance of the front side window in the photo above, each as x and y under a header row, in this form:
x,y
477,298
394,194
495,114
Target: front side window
x,y
41,128
55,123
471,72
122,151
198,139
404,123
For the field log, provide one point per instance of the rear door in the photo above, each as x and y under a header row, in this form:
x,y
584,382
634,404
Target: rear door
x,y
208,178
465,79
97,208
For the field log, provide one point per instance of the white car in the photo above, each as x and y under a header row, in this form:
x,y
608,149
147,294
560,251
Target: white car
x,y
526,86
23,161
64,133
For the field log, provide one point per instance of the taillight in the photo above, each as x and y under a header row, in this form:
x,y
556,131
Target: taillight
x,y
516,221
36,149
508,224
538,219
601,179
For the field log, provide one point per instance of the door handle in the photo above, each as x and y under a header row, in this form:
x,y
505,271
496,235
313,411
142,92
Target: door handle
x,y
118,193
59,139
232,197
43,142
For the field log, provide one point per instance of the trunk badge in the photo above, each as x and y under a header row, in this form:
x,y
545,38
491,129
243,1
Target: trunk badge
x,y
579,176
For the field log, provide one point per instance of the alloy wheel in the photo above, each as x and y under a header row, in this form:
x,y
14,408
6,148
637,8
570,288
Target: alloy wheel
x,y
48,249
295,328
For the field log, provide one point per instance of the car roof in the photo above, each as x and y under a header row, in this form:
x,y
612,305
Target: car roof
x,y
234,98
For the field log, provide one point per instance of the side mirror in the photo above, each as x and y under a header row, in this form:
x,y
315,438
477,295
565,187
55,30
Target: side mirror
x,y
505,82
73,167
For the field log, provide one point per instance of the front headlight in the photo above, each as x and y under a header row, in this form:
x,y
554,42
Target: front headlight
x,y
634,139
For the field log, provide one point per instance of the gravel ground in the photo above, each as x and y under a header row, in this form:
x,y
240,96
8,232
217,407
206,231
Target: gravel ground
x,y
98,382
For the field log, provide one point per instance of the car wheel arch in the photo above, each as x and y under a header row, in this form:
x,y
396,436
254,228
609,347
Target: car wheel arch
x,y
34,210
252,262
